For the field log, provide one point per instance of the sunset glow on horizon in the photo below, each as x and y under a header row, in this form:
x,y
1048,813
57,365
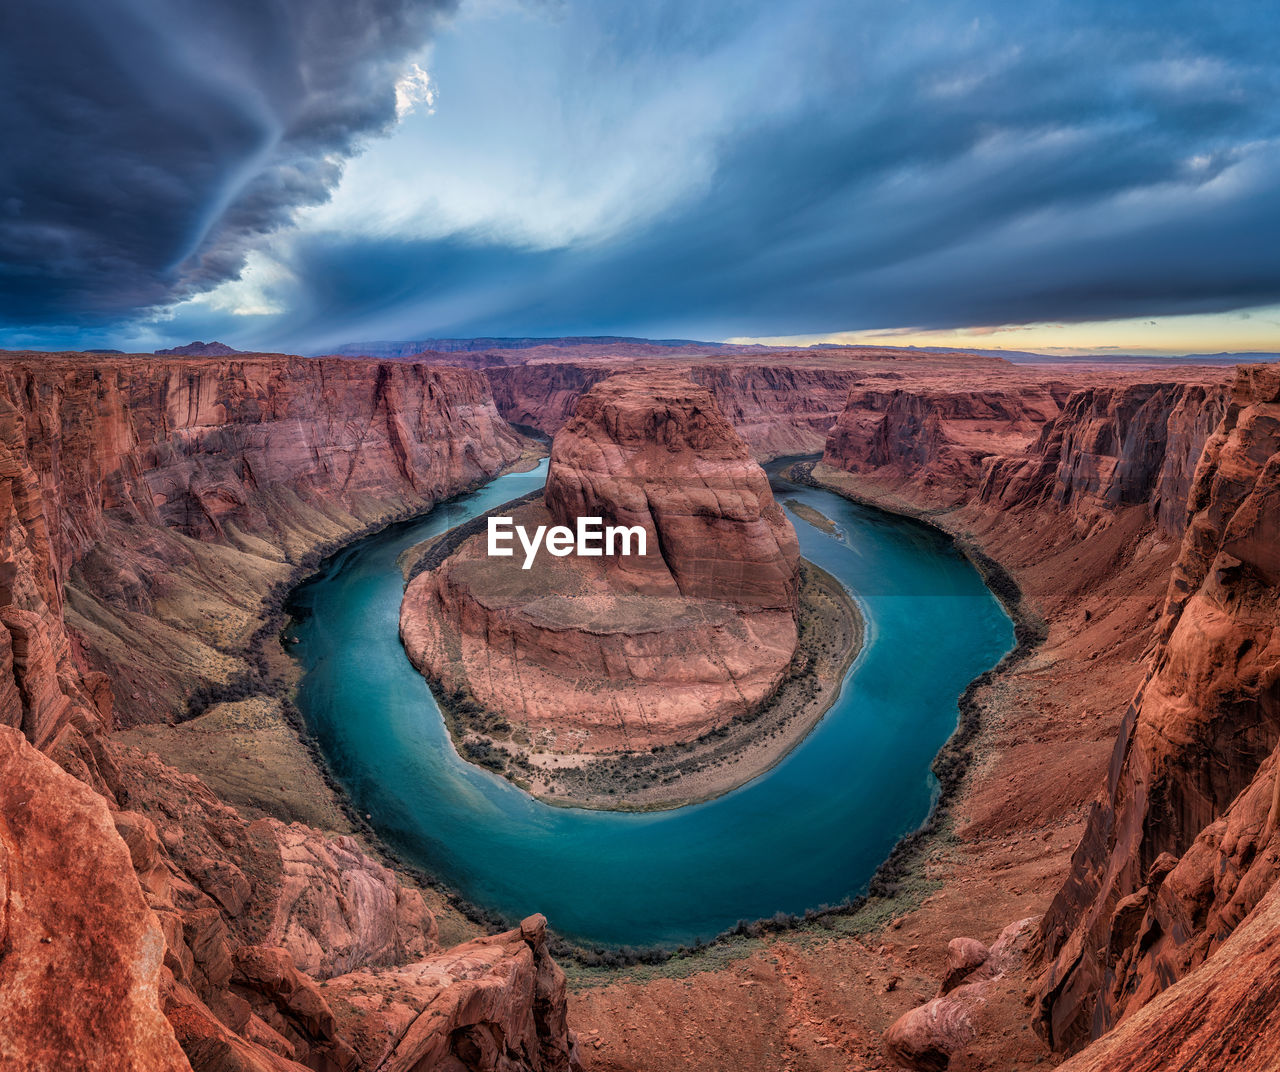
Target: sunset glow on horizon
x,y
1244,331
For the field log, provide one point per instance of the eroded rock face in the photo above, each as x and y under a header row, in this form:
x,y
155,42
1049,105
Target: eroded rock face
x,y
1223,1017
778,408
1112,447
1085,453
633,650
925,1038
543,396
929,1036
1160,878
493,1003
655,451
321,898
261,926
939,436
144,924
166,497
80,951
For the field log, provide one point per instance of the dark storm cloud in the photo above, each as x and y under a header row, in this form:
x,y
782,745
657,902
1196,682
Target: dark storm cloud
x,y
147,143
945,164
823,165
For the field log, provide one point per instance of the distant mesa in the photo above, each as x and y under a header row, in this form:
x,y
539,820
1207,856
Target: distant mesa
x,y
200,349
593,654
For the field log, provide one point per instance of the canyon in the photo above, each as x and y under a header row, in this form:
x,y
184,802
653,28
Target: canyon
x,y
1109,848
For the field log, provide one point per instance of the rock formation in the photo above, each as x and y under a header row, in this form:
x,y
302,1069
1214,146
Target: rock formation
x,y
167,498
145,924
1112,447
80,951
493,1003
1020,442
625,650
1161,943
1160,878
928,1037
1222,1018
655,451
148,508
939,437
782,407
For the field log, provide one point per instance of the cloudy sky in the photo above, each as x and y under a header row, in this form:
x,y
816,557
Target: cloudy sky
x,y
302,173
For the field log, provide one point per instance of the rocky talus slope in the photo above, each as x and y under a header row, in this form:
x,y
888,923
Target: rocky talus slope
x,y
144,923
624,650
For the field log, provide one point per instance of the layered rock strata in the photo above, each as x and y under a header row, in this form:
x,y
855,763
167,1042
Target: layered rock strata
x,y
1086,452
1167,951
624,651
918,410
163,498
779,408
1169,865
1112,447
941,438
144,923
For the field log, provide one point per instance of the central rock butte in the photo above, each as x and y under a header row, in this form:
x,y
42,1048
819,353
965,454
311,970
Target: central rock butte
x,y
624,652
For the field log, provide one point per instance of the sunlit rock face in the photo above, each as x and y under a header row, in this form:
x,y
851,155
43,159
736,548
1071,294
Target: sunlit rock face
x,y
655,451
1178,848
625,651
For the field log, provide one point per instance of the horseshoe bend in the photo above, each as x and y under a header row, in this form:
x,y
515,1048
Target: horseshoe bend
x,y
636,654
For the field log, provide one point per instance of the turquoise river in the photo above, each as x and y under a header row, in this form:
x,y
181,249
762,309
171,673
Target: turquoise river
x,y
809,832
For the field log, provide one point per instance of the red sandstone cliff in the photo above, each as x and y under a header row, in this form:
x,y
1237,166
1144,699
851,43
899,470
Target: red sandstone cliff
x,y
80,951
655,451
938,437
1178,851
1024,445
1112,465
226,924
1112,447
779,408
628,651
1179,847
166,498
144,924
543,396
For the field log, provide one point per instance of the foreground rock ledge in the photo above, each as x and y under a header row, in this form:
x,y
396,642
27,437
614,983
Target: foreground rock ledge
x,y
624,652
